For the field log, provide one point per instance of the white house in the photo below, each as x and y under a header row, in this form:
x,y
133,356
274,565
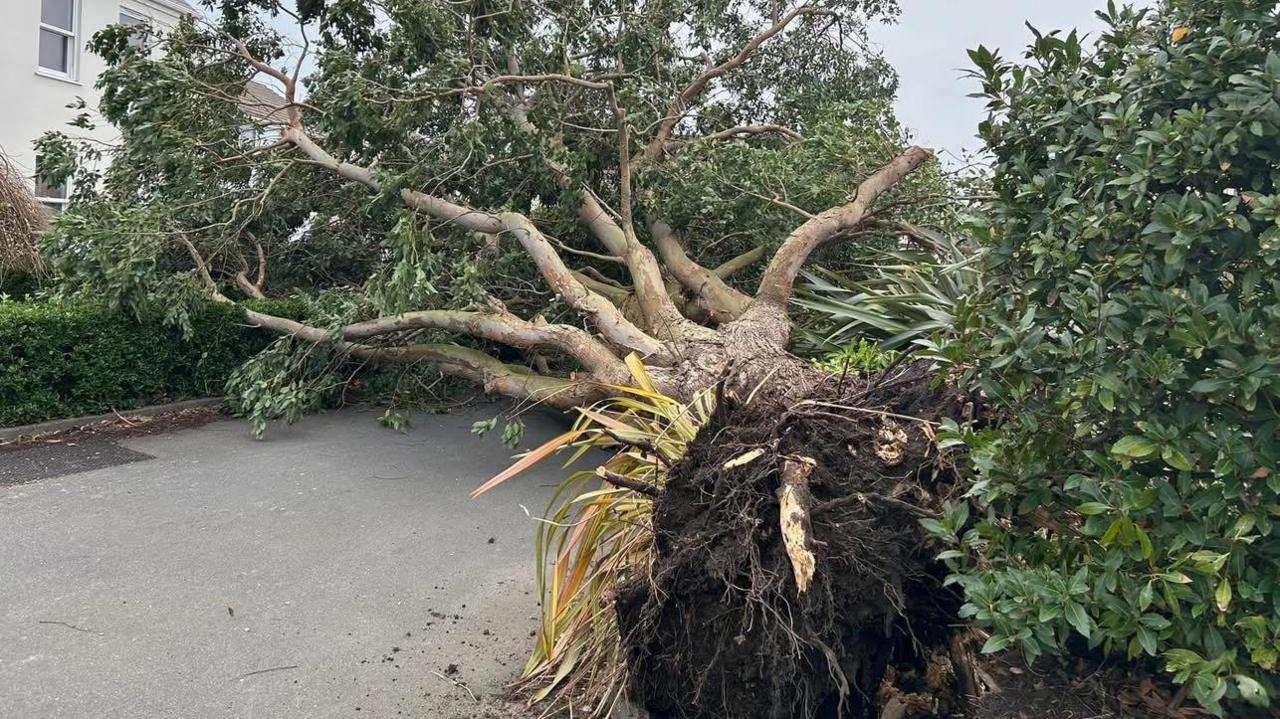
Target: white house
x,y
44,66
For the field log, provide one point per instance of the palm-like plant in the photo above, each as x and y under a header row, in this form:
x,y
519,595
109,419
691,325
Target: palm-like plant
x,y
912,293
596,533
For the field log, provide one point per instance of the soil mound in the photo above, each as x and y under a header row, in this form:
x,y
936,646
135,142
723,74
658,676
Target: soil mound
x,y
721,628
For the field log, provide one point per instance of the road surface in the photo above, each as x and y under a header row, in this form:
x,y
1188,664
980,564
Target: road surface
x,y
334,569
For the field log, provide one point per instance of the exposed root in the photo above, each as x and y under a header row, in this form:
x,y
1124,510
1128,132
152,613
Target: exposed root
x,y
798,583
794,500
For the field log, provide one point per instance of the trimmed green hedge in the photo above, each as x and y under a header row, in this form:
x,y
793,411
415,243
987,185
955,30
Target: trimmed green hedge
x,y
63,359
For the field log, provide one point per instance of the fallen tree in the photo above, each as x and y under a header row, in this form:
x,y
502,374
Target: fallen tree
x,y
664,172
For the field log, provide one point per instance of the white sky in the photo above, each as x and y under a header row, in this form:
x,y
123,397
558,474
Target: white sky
x,y
928,47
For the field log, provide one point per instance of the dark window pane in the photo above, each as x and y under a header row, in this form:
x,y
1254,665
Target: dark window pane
x,y
53,51
50,192
57,13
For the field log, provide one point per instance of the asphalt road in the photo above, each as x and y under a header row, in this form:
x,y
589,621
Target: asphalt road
x,y
335,569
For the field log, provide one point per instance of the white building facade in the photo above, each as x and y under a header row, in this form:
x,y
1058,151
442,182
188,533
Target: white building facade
x,y
45,66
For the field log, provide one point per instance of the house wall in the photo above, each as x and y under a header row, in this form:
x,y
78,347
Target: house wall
x,y
34,103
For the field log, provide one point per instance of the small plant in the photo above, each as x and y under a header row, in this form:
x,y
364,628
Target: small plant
x,y
596,533
860,356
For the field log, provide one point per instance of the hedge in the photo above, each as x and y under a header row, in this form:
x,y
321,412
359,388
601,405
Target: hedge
x,y
64,359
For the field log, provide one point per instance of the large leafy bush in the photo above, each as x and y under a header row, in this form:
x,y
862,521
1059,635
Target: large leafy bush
x,y
1132,342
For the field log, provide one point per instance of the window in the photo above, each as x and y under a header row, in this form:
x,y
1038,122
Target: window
x,y
58,46
139,27
53,197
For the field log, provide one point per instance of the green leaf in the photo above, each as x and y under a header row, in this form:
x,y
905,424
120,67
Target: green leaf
x,y
1078,618
1175,458
1251,691
1134,447
1091,508
1222,597
1146,595
1144,542
995,644
1147,639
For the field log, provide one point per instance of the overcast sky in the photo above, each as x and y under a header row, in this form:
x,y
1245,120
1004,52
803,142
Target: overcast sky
x,y
928,44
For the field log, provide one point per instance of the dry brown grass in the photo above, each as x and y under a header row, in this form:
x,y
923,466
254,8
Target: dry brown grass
x,y
21,218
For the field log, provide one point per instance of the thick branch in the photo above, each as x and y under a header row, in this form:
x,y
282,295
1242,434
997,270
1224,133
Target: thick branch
x,y
505,328
202,269
607,318
242,281
686,97
261,280
660,312
780,275
290,83
735,265
476,366
722,302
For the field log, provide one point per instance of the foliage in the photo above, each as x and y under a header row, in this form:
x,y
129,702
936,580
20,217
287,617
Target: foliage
x,y
596,534
724,192
860,356
389,85
1131,341
911,296
184,171
65,359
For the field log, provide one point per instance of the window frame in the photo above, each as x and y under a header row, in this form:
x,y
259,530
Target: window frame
x,y
140,18
71,37
55,205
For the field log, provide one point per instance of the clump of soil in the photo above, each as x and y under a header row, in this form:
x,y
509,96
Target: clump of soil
x,y
720,629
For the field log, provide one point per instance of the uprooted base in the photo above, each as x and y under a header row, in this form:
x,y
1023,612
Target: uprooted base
x,y
720,630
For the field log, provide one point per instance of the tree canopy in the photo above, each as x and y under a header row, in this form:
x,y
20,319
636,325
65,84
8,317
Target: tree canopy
x,y
578,180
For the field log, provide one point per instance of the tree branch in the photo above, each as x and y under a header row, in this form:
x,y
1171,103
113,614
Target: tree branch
x,y
780,275
735,265
625,482
741,131
202,269
682,101
607,318
242,281
722,302
471,364
506,328
660,312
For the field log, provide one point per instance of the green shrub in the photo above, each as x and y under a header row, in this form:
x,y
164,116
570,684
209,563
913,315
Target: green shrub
x,y
1130,501
60,359
860,356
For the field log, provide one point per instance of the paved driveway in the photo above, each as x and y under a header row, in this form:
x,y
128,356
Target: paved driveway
x,y
336,569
